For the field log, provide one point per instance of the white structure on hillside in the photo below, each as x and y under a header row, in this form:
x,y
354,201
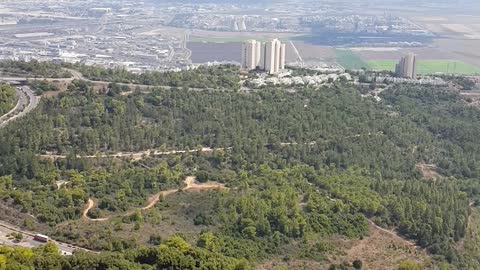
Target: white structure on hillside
x,y
268,56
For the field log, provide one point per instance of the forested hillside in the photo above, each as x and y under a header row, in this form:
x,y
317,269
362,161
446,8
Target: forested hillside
x,y
217,77
33,69
301,168
7,98
175,253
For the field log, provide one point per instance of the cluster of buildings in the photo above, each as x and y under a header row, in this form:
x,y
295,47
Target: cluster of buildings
x,y
239,25
407,67
354,23
288,80
423,81
218,21
268,56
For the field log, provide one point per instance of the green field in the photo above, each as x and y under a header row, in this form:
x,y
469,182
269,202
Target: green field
x,y
349,60
429,66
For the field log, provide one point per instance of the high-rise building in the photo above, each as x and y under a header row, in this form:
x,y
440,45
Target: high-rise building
x,y
260,56
242,26
282,55
249,54
269,56
407,67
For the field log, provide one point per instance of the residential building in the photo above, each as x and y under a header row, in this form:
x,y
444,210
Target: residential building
x,y
249,55
268,56
406,68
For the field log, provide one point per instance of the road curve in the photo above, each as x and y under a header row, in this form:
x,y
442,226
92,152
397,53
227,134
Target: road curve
x,y
27,100
19,103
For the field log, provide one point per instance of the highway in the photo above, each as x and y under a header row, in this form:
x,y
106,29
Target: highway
x,y
27,101
29,242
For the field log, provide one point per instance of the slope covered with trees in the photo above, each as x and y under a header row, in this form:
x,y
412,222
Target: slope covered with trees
x,y
301,166
7,98
217,77
33,69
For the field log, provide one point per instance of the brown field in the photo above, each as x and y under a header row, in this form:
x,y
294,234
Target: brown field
x,y
456,27
316,52
465,50
203,52
382,251
211,51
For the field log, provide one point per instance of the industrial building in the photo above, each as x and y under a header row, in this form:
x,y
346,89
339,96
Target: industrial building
x,y
268,56
407,67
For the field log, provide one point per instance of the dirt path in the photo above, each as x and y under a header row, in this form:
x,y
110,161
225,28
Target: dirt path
x,y
151,152
136,155
383,249
392,234
90,205
190,182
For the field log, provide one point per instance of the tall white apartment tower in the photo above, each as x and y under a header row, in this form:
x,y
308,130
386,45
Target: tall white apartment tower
x,y
249,54
269,56
282,56
260,54
407,67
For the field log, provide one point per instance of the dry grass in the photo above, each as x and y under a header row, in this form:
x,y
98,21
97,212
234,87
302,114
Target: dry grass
x,y
383,251
379,251
429,171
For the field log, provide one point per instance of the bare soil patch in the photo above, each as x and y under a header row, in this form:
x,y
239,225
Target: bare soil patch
x,y
429,171
384,251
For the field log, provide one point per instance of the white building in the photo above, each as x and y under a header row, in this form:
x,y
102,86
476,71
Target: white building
x,y
250,55
407,67
269,56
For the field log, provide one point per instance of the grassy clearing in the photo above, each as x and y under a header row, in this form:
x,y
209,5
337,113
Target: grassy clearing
x,y
429,66
349,60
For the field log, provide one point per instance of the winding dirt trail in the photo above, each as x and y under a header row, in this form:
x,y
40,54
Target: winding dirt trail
x,y
90,205
190,182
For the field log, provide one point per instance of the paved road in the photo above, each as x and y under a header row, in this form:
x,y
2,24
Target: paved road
x,y
26,103
5,229
20,102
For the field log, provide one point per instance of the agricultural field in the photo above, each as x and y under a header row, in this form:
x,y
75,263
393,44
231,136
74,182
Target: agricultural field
x,y
382,60
429,66
350,60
